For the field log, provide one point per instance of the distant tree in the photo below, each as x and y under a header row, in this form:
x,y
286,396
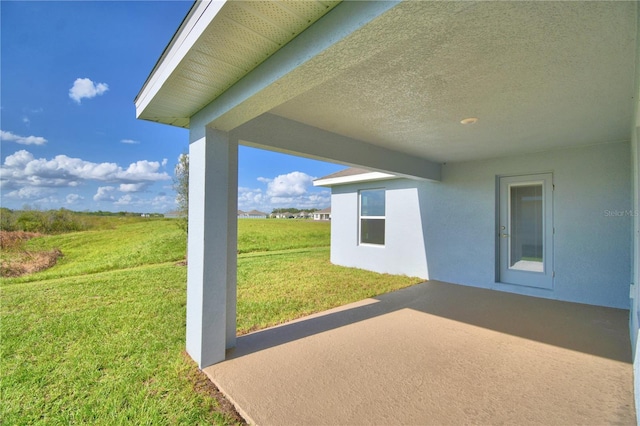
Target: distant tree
x,y
31,221
286,210
292,210
181,186
7,219
63,220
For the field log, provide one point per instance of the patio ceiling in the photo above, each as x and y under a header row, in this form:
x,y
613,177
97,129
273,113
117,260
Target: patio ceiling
x,y
537,75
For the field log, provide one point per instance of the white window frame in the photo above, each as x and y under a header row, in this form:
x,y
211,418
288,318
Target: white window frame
x,y
360,217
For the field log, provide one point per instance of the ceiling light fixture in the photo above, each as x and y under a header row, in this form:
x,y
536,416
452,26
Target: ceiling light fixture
x,y
470,120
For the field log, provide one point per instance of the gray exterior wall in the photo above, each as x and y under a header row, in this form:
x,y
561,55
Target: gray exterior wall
x,y
447,231
404,249
635,291
635,196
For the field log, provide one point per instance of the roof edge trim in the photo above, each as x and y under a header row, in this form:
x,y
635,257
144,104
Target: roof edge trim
x,y
363,177
193,25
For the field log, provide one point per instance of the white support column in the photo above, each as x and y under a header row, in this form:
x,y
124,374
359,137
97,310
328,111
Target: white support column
x,y
212,247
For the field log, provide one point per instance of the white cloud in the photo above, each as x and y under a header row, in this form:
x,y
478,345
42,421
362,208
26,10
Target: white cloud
x,y
29,111
28,193
164,162
178,168
48,201
144,168
22,169
22,140
318,200
130,141
105,193
128,200
18,159
289,185
73,198
133,187
163,201
249,199
287,190
85,88
158,203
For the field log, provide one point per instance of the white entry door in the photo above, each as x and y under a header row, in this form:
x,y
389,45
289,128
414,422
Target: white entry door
x,y
525,230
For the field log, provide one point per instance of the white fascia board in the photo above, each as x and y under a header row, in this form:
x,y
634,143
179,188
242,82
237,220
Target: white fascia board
x,y
196,22
364,177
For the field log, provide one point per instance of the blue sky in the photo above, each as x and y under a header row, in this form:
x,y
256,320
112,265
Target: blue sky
x,y
69,137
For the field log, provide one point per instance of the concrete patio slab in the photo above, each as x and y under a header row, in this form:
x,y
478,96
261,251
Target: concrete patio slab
x,y
437,353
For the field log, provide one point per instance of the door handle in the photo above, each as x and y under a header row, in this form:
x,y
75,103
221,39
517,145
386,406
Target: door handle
x,y
504,235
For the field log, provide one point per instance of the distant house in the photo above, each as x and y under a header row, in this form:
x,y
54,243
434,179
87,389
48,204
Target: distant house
x,y
174,214
254,214
287,215
324,214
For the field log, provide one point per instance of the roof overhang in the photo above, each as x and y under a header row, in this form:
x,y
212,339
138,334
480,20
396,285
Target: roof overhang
x,y
400,76
217,44
356,178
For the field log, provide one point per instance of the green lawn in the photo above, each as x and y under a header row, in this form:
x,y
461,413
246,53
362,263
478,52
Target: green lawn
x,y
99,338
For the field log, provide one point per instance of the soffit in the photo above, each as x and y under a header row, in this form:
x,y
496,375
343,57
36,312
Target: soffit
x,y
241,35
364,176
351,171
538,75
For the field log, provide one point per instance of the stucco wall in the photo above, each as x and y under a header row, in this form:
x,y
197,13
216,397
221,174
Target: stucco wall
x,y
404,250
635,292
591,220
447,231
635,162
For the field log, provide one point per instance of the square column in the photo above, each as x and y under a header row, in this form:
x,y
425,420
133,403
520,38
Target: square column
x,y
212,247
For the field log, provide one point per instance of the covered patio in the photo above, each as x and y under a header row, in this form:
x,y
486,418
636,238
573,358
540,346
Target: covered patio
x,y
477,102
437,353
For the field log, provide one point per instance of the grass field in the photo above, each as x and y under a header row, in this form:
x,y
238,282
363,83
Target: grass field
x,y
99,338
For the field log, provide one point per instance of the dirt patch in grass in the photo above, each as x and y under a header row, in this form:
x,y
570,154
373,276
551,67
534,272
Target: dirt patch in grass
x,y
13,240
16,261
204,386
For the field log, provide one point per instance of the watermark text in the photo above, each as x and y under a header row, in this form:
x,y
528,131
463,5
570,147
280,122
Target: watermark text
x,y
621,213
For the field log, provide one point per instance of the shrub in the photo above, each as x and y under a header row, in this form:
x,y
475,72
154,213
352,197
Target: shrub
x,y
31,221
7,219
45,222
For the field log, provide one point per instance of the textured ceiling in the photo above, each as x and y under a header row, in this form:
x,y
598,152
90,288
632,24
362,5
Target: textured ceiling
x,y
242,35
538,75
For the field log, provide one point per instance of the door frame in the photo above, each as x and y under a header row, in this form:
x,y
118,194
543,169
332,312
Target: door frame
x,y
505,274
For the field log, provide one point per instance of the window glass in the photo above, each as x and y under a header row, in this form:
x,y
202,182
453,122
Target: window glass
x,y
372,216
372,202
526,220
372,231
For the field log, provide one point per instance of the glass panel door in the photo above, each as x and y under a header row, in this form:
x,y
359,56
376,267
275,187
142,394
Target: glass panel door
x,y
525,234
526,226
